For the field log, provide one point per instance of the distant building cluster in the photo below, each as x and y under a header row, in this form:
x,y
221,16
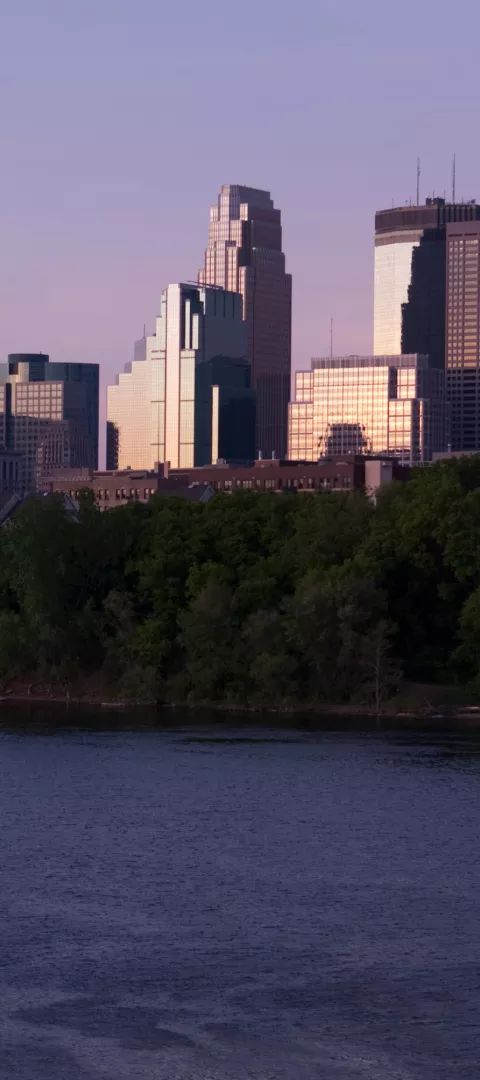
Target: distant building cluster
x,y
190,400
206,402
214,380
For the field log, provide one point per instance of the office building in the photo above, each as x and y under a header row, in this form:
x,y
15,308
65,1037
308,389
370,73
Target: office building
x,y
383,405
49,413
80,398
244,254
410,261
189,402
81,403
463,334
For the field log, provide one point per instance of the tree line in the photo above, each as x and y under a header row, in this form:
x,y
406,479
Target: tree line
x,y
250,599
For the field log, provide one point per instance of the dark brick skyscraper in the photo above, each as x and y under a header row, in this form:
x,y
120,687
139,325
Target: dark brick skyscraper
x,y
244,255
463,334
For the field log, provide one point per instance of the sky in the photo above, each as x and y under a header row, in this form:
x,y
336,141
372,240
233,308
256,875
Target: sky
x,y
120,119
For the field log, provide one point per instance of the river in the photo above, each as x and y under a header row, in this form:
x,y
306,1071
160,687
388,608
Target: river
x,y
228,902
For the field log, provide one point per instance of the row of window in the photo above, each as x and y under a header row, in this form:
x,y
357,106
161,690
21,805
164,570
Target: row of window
x,y
305,482
120,494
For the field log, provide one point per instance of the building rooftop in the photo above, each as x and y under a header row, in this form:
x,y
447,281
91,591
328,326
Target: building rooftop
x,y
401,360
433,213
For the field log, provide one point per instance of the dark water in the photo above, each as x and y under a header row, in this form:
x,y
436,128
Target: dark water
x,y
223,904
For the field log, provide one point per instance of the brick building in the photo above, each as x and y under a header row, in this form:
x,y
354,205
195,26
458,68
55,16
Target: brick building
x,y
343,474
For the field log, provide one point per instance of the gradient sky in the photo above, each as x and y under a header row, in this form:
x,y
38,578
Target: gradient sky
x,y
119,120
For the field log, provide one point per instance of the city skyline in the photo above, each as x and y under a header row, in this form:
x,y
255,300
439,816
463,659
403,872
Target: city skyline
x,y
245,254
98,212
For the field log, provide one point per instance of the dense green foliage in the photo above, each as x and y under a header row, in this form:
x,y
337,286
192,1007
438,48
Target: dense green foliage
x,y
250,599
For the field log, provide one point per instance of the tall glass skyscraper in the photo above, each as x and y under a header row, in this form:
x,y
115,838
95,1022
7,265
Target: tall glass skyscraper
x,y
392,405
244,255
189,402
410,259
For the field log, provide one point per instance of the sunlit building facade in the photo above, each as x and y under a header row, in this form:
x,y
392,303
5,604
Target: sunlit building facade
x,y
463,335
190,401
244,255
409,288
393,272
387,405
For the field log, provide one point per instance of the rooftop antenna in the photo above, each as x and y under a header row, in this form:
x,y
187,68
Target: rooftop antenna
x,y
453,178
418,181
331,338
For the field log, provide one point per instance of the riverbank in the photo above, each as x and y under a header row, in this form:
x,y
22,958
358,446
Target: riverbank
x,y
415,704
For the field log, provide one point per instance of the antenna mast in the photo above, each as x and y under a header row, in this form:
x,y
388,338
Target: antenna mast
x,y
453,178
331,338
418,181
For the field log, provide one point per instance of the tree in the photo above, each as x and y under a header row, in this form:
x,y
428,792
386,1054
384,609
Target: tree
x,y
381,671
269,668
208,635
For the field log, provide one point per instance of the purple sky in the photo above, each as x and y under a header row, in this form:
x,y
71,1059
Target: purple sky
x,y
119,120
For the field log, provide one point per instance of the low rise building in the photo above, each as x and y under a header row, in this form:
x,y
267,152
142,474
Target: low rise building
x,y
345,473
118,488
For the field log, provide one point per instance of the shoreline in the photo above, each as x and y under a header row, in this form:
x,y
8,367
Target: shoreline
x,y
458,715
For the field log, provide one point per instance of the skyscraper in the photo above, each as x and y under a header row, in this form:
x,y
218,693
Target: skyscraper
x,y
81,404
244,254
49,413
410,261
393,405
189,402
463,334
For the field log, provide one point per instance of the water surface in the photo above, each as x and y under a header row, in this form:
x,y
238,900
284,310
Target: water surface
x,y
224,903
